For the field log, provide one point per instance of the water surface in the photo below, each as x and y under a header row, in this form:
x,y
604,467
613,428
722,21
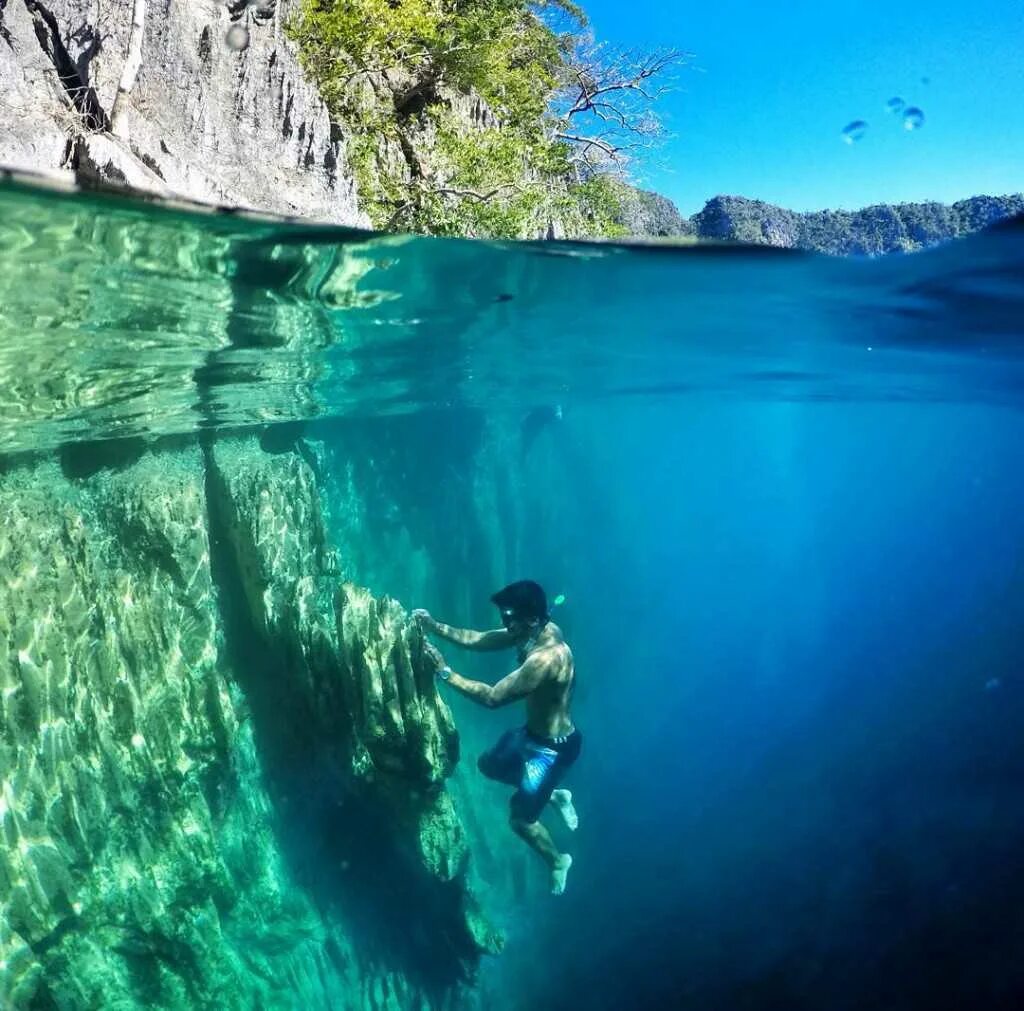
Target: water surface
x,y
124,319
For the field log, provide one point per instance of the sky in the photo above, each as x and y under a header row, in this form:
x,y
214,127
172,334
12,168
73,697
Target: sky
x,y
759,109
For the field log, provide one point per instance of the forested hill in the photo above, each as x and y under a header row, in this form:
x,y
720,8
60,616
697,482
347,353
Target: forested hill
x,y
882,228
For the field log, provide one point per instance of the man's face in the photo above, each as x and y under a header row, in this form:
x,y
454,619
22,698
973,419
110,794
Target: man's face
x,y
517,626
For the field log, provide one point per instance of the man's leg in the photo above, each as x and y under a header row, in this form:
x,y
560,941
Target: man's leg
x,y
527,804
542,772
504,762
539,839
561,801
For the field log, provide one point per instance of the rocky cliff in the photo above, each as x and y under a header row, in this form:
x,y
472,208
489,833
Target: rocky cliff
x,y
645,214
195,99
874,230
223,766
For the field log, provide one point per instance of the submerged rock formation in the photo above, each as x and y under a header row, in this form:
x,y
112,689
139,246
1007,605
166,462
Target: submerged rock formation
x,y
203,100
222,768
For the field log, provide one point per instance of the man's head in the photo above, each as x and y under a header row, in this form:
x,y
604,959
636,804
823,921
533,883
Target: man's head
x,y
523,606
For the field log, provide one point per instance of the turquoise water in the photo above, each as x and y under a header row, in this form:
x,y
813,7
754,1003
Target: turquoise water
x,y
782,495
129,320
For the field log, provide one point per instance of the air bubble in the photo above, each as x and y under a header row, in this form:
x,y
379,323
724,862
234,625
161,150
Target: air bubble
x,y
853,132
895,104
913,118
237,38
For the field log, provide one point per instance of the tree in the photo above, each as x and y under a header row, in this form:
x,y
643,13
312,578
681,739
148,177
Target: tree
x,y
562,111
603,107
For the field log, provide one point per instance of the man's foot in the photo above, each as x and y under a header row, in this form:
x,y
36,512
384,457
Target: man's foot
x,y
559,873
562,799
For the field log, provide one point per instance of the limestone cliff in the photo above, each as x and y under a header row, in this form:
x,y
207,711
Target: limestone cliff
x,y
217,110
871,231
645,214
223,767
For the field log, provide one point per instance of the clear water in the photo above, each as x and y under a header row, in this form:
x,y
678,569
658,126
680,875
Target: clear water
x,y
784,501
129,320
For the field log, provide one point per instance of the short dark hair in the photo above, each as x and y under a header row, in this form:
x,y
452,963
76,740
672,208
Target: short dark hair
x,y
525,598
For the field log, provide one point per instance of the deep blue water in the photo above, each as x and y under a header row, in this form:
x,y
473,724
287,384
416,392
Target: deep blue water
x,y
802,685
784,501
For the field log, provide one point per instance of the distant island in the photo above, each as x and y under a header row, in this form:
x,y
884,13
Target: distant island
x,y
872,231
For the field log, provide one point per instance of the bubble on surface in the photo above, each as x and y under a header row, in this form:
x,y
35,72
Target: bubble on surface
x,y
853,132
913,118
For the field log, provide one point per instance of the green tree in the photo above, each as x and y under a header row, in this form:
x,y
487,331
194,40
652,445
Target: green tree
x,y
559,112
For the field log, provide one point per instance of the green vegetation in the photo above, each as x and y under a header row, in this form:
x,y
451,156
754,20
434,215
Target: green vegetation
x,y
871,231
403,77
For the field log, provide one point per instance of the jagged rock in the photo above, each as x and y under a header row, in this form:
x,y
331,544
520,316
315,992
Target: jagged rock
x,y
202,120
34,112
190,705
644,214
358,683
114,716
357,656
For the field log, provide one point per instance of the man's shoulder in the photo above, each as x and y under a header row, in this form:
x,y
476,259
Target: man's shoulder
x,y
557,635
553,654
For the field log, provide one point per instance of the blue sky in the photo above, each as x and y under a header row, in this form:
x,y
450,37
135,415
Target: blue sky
x,y
760,108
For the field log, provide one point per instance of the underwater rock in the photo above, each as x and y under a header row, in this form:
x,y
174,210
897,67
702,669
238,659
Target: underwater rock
x,y
198,721
354,664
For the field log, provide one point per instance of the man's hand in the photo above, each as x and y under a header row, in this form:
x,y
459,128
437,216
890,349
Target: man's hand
x,y
434,655
422,618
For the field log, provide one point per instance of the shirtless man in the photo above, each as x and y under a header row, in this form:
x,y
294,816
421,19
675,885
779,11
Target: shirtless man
x,y
533,758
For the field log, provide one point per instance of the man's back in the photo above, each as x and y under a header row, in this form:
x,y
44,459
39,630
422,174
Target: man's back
x,y
547,706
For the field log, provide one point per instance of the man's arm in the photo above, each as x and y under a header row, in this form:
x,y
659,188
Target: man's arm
x,y
498,638
517,685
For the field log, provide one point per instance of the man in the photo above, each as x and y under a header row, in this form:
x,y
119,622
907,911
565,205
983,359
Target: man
x,y
533,758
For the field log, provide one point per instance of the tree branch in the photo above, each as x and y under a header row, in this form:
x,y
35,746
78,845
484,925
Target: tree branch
x,y
474,194
590,142
605,104
132,63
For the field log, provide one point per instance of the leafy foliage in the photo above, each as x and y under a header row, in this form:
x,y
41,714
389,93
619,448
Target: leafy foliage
x,y
393,72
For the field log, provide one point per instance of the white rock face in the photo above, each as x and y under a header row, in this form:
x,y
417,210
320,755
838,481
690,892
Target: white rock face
x,y
202,119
